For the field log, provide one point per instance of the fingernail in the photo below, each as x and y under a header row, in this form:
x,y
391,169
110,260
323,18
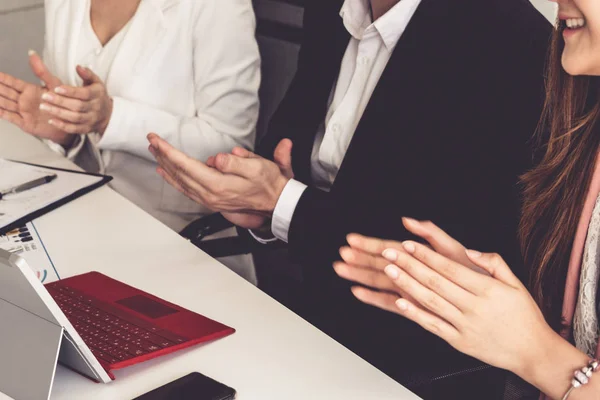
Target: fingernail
x,y
60,90
347,254
352,240
31,52
473,254
339,268
390,254
392,271
409,247
151,150
411,221
51,122
44,107
402,304
47,97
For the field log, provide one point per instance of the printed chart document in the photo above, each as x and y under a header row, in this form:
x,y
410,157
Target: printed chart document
x,y
32,202
26,242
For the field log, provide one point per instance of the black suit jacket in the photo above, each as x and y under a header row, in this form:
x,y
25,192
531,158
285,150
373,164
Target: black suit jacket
x,y
445,136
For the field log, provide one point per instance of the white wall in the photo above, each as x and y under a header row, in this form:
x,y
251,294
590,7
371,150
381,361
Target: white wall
x,y
546,7
22,28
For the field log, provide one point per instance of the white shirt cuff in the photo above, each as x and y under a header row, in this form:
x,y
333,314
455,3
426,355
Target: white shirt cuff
x,y
262,240
284,210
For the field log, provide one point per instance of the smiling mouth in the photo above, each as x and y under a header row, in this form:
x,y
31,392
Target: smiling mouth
x,y
572,24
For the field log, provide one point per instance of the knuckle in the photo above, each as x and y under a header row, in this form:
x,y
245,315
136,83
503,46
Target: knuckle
x,y
224,161
435,327
488,290
432,302
496,258
434,283
422,254
217,190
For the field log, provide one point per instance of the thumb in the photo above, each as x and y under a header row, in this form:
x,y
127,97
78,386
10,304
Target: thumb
x,y
495,265
88,76
242,152
41,71
439,240
283,157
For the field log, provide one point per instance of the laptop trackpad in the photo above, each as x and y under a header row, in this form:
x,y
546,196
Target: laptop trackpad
x,y
146,306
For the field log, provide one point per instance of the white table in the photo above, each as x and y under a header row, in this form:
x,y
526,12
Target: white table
x,y
274,354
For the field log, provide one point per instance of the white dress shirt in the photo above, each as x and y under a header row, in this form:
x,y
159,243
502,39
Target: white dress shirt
x,y
177,69
366,57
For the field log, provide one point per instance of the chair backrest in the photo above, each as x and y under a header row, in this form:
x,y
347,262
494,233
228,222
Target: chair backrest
x,y
279,32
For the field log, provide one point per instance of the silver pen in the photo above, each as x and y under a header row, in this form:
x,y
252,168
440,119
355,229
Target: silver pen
x,y
28,185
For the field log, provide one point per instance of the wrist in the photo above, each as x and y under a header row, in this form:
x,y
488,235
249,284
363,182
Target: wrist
x,y
278,187
107,116
550,363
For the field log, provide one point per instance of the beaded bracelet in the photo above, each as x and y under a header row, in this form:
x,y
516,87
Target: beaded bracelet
x,y
582,377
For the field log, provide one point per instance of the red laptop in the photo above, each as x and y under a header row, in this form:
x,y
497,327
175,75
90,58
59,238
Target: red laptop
x,y
122,326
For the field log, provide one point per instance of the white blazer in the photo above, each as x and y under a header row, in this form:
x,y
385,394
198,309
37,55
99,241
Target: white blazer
x,y
188,70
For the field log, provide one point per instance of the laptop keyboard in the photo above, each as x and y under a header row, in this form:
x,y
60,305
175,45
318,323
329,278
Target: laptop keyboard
x,y
112,335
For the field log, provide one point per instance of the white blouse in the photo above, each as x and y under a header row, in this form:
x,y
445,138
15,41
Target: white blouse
x,y
93,55
188,70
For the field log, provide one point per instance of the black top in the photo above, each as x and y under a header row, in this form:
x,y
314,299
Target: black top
x,y
445,136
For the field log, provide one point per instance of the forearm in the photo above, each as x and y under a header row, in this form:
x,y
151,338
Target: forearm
x,y
198,137
551,369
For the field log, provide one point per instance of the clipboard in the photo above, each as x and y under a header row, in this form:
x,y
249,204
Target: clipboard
x,y
22,220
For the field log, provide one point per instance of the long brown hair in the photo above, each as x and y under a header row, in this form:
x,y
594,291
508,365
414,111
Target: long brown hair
x,y
555,190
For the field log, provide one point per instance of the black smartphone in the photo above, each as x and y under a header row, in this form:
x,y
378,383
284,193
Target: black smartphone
x,y
194,386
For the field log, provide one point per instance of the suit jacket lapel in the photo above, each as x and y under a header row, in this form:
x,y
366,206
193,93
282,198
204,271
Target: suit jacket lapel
x,y
333,47
418,40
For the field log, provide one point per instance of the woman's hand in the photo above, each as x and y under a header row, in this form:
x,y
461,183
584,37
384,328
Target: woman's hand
x,y
20,103
79,109
365,264
490,317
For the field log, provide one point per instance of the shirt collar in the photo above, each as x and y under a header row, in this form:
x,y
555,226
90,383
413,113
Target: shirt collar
x,y
390,26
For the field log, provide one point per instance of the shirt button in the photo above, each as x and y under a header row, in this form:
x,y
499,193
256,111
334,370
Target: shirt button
x,y
336,128
365,60
98,52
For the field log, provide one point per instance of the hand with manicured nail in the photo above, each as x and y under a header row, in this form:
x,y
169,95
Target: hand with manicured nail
x,y
80,110
363,262
490,316
20,103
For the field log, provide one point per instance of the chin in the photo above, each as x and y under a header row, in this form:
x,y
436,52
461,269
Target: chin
x,y
573,65
577,66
